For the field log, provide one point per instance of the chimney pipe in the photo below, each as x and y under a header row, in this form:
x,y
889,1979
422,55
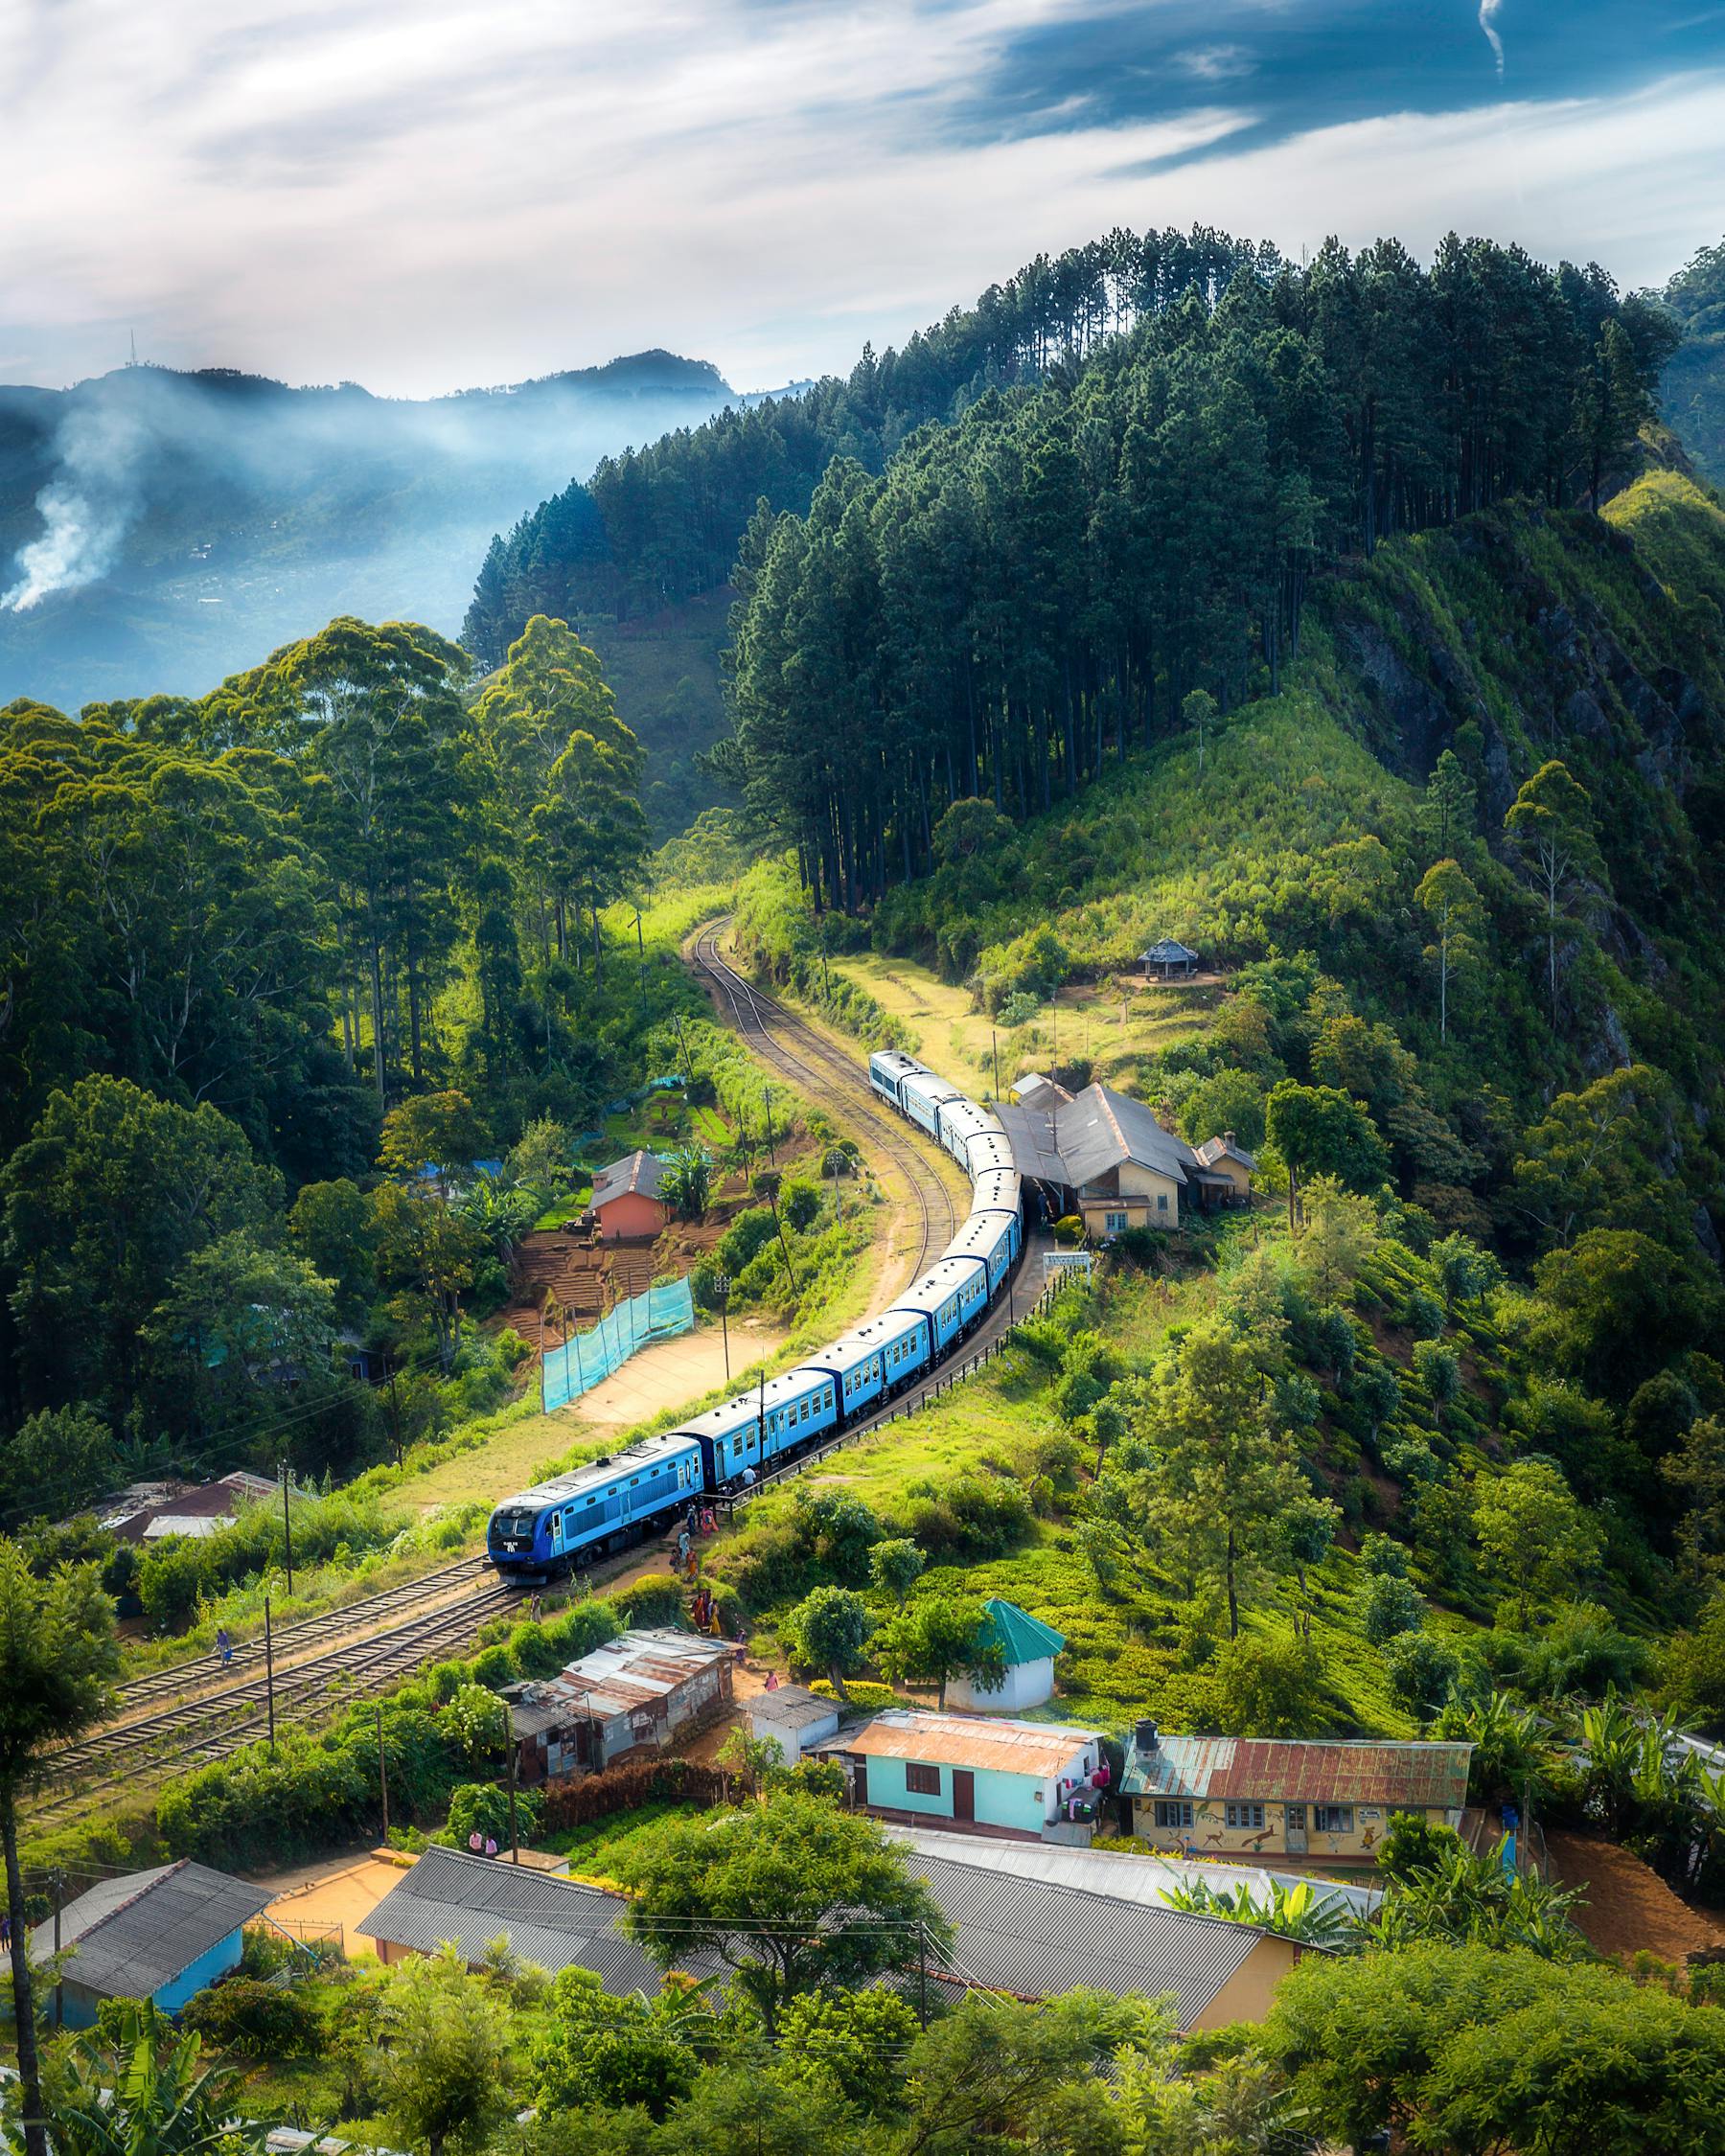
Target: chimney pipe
x,y
1145,1735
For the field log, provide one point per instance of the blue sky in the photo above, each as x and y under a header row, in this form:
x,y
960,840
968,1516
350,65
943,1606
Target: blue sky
x,y
425,193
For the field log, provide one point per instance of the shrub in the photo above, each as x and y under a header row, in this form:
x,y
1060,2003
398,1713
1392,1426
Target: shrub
x,y
1387,1606
655,1599
482,1808
968,1516
479,1721
747,1236
587,1798
1422,1669
799,1202
256,2019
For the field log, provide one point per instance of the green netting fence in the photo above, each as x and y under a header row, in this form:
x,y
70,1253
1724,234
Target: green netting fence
x,y
585,1359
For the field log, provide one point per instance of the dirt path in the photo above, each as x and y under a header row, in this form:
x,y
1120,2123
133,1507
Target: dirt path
x,y
1628,1906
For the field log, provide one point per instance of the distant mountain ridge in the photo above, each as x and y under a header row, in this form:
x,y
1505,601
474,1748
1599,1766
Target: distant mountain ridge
x,y
159,528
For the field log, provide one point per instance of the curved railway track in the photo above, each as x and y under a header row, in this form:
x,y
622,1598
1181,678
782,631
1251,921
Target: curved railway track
x,y
826,1074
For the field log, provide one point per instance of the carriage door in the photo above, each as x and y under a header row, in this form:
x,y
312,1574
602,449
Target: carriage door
x,y
557,1532
1294,1817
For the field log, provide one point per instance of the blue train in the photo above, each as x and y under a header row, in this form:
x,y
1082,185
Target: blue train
x,y
595,1510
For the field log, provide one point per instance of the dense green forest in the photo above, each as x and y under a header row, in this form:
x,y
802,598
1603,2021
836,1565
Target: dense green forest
x,y
1694,383
340,916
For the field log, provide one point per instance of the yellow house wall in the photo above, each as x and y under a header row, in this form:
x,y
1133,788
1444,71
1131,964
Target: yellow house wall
x,y
1232,1170
1250,1993
1139,1190
1210,1835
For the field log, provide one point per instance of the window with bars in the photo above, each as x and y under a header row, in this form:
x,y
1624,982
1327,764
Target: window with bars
x,y
1173,1811
1333,1819
1245,1815
920,1780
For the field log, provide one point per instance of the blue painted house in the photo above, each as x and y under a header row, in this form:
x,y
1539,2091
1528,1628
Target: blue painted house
x,y
982,1774
158,1935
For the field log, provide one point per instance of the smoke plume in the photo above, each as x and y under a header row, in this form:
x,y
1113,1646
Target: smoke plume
x,y
1489,10
86,508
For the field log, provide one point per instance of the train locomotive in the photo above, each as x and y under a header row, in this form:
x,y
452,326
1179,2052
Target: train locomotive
x,y
570,1519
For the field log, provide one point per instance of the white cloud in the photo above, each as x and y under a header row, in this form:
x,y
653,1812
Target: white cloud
x,y
1216,64
431,195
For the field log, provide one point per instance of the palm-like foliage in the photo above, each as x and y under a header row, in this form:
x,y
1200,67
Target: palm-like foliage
x,y
1461,1899
1512,1746
1298,1912
146,2097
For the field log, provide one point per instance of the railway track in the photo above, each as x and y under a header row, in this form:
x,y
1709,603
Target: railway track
x,y
827,1074
191,1732
287,1641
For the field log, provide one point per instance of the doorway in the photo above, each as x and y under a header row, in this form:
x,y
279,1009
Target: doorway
x,y
964,1794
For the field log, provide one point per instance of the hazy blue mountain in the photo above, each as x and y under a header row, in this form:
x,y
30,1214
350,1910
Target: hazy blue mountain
x,y
159,530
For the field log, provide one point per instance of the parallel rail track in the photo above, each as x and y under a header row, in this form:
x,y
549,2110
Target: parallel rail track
x,y
826,1074
211,1726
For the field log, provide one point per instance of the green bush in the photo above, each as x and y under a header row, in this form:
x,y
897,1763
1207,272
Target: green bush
x,y
482,1808
655,1599
257,2020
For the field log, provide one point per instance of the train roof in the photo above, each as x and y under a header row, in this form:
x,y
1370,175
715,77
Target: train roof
x,y
855,1347
936,1091
941,1281
980,1232
996,1190
645,1452
988,1149
961,1112
896,1061
744,1408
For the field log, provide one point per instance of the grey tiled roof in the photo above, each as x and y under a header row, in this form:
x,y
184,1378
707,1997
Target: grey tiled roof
x,y
1037,1940
642,1171
134,1934
451,1896
1095,1130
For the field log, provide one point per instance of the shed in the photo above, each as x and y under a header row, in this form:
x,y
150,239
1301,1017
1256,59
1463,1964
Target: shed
x,y
1103,1156
1030,1646
1168,960
159,1934
1032,1089
1318,1798
793,1716
625,1200
1228,1167
629,1696
984,1775
147,1511
450,1898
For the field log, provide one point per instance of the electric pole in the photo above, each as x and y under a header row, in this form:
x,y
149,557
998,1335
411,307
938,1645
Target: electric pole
x,y
287,1530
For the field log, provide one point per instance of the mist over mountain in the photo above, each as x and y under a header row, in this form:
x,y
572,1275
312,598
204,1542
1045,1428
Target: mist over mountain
x,y
159,530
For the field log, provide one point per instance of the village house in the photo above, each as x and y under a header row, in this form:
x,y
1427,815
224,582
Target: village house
x,y
627,1697
159,1934
1025,1779
1102,1155
1168,960
1220,1156
793,1717
626,1205
1030,1647
1323,1801
1027,1936
151,1512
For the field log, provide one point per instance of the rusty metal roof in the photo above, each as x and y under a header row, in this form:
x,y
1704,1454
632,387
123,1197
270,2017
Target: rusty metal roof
x,y
640,1669
965,1740
1326,1771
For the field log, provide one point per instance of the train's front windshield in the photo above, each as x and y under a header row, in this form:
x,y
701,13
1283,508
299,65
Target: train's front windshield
x,y
510,1526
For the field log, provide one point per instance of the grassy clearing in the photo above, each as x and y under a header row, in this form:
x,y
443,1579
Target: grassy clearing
x,y
1115,1025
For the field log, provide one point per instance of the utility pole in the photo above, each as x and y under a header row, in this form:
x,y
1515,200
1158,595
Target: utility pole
x,y
57,1891
287,1530
641,955
922,1970
722,1297
269,1672
514,1838
383,1774
761,1417
395,1408
767,1104
995,1039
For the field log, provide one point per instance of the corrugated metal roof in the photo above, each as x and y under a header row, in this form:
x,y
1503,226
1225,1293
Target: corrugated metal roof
x,y
1167,953
1095,1132
1038,1939
642,1172
1145,1879
793,1706
1023,1636
965,1740
1302,1770
641,1668
450,1897
1217,1149
137,1933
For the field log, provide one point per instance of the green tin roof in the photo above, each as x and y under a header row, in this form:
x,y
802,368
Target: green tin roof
x,y
1023,1636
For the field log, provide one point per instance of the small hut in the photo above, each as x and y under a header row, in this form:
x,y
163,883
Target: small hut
x,y
1168,960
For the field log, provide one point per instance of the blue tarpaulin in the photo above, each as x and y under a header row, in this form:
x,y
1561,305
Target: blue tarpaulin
x,y
585,1359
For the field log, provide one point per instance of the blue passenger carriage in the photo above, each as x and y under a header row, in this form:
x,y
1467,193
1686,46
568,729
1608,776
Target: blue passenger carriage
x,y
989,1149
889,1069
959,1123
997,1190
592,1510
876,1361
922,1095
951,1296
993,1239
